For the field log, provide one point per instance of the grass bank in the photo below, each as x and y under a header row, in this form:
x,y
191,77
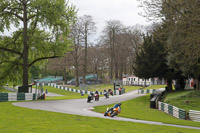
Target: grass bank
x,y
101,87
139,108
23,120
154,87
66,94
2,90
187,100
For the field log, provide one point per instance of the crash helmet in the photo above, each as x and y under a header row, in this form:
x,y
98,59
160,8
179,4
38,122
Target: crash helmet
x,y
119,104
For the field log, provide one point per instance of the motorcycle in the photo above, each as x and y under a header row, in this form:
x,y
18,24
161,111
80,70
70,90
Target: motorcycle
x,y
89,99
112,112
96,96
111,92
106,94
92,95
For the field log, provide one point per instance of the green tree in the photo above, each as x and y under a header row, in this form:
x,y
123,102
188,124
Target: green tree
x,y
42,27
151,61
181,22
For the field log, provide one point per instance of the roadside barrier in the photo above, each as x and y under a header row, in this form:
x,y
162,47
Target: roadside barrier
x,y
71,89
194,115
140,91
172,110
17,96
116,92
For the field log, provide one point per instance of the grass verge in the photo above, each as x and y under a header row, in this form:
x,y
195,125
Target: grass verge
x,y
2,90
154,87
139,108
187,100
101,87
23,120
66,94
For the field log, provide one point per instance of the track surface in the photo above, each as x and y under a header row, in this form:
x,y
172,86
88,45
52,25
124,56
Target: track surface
x,y
81,107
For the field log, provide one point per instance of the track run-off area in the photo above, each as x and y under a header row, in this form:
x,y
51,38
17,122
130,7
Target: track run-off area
x,y
81,107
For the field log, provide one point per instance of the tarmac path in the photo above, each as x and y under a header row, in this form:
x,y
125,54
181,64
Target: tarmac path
x,y
81,107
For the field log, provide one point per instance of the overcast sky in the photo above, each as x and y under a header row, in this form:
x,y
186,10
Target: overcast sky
x,y
125,11
104,10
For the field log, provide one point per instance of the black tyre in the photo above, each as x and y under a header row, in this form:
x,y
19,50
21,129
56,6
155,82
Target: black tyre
x,y
105,114
113,114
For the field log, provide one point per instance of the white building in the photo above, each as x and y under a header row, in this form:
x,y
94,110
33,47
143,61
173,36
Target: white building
x,y
133,80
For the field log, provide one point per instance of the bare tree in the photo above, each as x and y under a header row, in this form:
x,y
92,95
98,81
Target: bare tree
x,y
88,28
113,27
77,47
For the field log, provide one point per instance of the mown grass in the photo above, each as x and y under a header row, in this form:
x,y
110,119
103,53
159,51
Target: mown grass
x,y
101,87
139,108
22,120
2,90
154,87
66,94
187,100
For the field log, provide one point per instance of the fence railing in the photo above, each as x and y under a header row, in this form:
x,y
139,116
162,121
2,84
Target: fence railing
x,y
116,92
140,91
172,110
194,115
17,96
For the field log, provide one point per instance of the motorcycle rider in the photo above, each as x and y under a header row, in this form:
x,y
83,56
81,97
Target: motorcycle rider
x,y
115,106
96,92
96,95
106,94
110,92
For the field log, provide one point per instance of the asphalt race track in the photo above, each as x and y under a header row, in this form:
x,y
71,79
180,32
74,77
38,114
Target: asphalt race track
x,y
81,107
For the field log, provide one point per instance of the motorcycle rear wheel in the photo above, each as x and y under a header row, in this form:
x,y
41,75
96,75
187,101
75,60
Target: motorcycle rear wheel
x,y
113,114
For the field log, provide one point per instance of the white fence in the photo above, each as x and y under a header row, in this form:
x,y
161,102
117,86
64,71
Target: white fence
x,y
172,110
194,115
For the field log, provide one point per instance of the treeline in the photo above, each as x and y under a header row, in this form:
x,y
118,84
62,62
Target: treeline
x,y
172,49
111,57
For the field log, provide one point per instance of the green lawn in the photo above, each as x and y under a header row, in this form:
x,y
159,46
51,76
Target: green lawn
x,y
22,120
139,108
101,87
154,87
2,90
184,99
66,94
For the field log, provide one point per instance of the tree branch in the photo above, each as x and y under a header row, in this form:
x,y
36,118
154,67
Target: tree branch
x,y
10,50
12,13
10,62
42,58
30,17
7,72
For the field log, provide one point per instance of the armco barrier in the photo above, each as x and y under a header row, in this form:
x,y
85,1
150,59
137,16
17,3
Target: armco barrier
x,y
140,91
194,115
17,96
172,110
79,91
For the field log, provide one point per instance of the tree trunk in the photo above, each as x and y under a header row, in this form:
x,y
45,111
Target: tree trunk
x,y
77,75
116,70
169,85
65,75
85,64
26,47
121,72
